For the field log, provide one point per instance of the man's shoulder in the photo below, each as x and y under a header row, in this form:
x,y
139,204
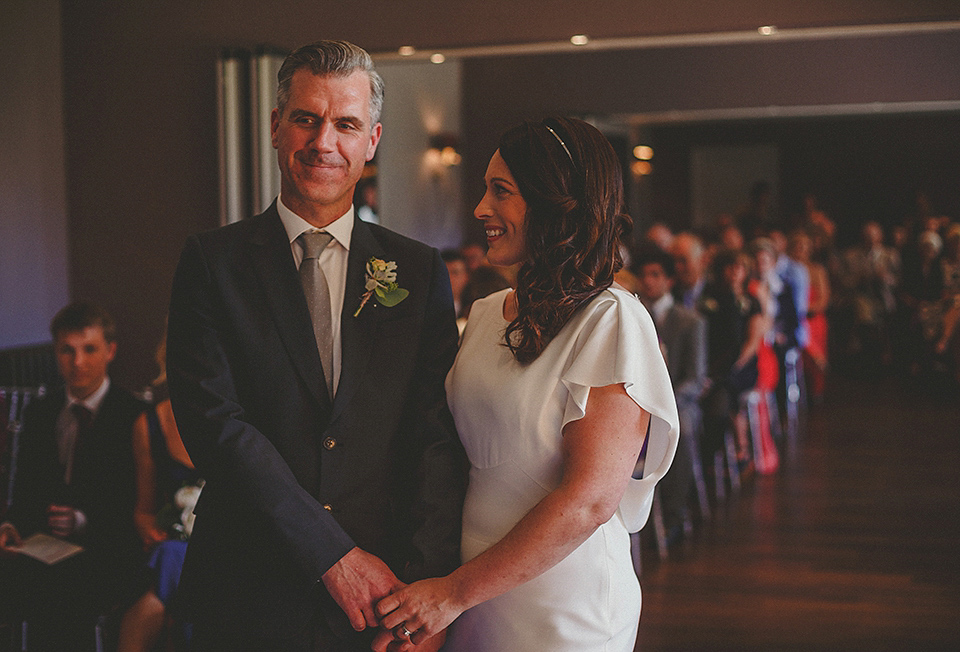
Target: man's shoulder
x,y
45,406
123,403
684,317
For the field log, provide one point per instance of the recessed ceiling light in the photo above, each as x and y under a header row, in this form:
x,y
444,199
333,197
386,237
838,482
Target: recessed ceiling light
x,y
437,58
406,50
579,39
767,30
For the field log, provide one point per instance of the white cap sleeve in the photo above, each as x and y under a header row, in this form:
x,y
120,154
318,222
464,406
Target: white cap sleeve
x,y
618,344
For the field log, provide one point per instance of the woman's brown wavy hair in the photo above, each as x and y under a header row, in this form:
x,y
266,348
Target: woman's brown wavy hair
x,y
570,178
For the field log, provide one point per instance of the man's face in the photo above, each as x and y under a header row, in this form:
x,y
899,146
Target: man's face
x,y
323,139
83,357
654,282
687,263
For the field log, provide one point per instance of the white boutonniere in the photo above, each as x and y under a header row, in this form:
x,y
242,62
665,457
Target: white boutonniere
x,y
382,284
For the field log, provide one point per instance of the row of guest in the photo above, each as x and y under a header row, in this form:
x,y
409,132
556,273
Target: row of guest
x,y
726,317
95,468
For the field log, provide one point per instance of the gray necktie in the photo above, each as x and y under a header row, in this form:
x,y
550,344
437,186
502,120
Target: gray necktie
x,y
318,298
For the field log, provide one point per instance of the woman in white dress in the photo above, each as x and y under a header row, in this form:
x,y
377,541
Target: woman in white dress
x,y
555,388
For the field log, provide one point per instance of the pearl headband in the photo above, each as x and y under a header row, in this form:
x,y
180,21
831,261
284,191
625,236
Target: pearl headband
x,y
562,144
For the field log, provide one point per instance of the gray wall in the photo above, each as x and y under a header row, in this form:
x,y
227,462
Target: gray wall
x,y
34,230
417,199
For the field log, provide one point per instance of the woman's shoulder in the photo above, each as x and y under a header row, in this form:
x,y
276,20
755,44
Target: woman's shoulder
x,y
490,303
613,311
614,302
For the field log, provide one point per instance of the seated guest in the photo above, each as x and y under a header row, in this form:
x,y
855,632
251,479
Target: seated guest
x,y
661,235
688,256
947,344
867,280
735,328
683,340
459,275
75,480
793,305
800,249
475,255
165,474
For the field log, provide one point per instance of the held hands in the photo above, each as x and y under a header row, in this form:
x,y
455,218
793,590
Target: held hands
x,y
9,540
63,521
357,582
424,609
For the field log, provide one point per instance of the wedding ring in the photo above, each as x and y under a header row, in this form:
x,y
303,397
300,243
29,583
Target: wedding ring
x,y
406,632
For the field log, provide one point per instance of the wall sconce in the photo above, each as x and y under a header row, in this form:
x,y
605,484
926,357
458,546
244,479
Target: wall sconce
x,y
442,151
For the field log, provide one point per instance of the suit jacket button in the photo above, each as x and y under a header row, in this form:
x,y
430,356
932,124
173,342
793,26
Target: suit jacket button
x,y
328,507
329,443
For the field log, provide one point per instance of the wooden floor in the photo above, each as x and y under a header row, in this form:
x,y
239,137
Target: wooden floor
x,y
853,545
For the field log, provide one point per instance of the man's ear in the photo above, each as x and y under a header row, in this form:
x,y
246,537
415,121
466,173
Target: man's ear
x,y
375,134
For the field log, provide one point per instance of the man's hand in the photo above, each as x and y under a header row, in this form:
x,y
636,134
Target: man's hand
x,y
387,641
62,520
9,540
357,582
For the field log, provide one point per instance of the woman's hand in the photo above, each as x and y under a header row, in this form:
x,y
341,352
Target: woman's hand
x,y
425,609
150,534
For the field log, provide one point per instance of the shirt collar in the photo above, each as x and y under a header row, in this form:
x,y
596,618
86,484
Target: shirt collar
x,y
341,228
95,400
660,307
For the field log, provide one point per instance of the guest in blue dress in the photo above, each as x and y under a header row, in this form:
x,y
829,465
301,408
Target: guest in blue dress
x,y
168,486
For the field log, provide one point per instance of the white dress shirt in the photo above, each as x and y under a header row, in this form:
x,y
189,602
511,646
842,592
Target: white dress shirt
x,y
333,262
659,308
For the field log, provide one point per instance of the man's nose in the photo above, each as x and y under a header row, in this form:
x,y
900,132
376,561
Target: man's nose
x,y
324,139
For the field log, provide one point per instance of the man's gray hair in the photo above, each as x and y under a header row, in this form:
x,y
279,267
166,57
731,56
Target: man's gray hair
x,y
338,58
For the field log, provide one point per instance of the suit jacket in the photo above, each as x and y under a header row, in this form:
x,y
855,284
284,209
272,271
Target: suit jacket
x,y
293,480
684,335
103,485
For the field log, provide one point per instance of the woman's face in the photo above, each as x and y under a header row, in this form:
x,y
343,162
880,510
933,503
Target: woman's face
x,y
764,261
735,274
504,215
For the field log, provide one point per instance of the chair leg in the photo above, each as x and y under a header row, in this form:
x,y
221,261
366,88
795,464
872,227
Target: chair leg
x,y
98,632
751,404
793,372
700,485
659,529
733,469
721,486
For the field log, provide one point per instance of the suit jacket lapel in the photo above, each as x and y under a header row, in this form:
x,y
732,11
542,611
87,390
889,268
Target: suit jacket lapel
x,y
356,333
285,301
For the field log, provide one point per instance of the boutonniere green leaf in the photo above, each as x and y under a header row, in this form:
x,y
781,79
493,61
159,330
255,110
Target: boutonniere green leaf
x,y
382,284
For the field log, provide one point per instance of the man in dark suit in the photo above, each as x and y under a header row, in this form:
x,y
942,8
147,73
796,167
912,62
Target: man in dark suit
x,y
75,479
683,338
333,470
